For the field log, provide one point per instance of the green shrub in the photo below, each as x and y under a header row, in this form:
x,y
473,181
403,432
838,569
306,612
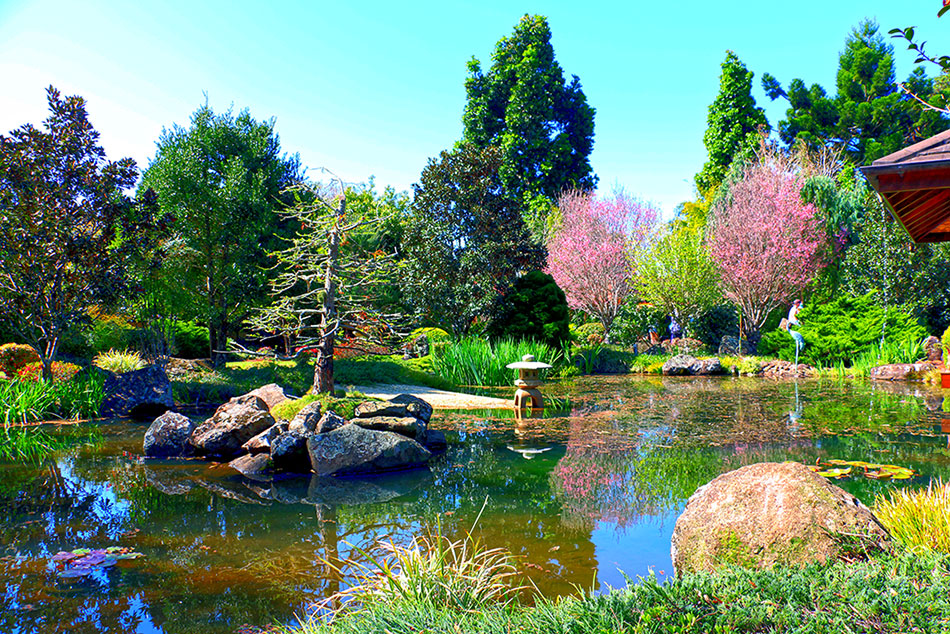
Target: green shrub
x,y
945,344
841,330
714,324
15,356
535,308
190,341
434,335
61,370
118,361
110,332
589,328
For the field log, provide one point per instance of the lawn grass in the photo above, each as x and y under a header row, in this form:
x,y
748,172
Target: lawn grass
x,y
906,592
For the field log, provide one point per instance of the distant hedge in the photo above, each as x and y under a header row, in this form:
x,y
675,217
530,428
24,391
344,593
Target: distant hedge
x,y
534,309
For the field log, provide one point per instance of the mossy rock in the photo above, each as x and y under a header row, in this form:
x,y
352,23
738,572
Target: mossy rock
x,y
771,513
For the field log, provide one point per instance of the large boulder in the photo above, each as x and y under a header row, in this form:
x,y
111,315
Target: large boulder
x,y
140,394
330,421
398,406
305,422
272,394
901,371
168,435
252,465
770,513
289,452
261,443
686,365
934,350
406,425
352,449
232,425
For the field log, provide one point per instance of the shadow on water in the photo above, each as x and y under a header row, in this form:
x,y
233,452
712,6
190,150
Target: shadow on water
x,y
591,488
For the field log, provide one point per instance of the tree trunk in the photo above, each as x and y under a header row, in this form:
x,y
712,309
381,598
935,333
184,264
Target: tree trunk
x,y
323,372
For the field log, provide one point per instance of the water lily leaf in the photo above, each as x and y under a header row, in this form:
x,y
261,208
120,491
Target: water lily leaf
x,y
81,551
129,555
74,573
836,473
63,556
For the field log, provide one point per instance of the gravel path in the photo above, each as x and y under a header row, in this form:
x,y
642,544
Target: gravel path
x,y
439,399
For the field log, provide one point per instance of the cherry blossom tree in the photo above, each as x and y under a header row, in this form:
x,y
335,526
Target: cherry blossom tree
x,y
767,243
590,255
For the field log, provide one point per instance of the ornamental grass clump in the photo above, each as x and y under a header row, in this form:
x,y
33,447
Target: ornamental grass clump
x,y
434,571
119,361
920,520
476,362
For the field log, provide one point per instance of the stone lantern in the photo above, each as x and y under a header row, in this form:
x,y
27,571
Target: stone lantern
x,y
528,381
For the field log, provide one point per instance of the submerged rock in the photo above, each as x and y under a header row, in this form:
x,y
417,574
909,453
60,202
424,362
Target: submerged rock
x,y
168,435
141,394
232,425
352,449
770,513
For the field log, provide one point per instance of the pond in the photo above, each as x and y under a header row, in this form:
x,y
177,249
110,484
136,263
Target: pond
x,y
584,496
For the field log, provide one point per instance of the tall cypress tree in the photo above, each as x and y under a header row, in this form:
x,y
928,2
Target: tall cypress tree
x,y
543,126
733,122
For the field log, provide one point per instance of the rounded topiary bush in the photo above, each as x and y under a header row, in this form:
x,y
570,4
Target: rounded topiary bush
x,y
535,308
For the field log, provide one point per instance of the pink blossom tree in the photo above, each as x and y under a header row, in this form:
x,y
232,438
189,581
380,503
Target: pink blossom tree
x,y
589,256
767,243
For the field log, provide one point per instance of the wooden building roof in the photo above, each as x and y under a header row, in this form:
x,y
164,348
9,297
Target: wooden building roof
x,y
915,184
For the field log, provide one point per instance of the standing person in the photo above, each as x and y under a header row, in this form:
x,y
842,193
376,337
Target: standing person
x,y
675,330
793,312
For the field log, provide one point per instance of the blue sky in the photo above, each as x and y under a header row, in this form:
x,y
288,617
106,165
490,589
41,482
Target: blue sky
x,y
375,88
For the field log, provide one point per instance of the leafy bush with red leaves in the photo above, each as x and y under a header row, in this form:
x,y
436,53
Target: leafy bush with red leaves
x,y
62,371
15,356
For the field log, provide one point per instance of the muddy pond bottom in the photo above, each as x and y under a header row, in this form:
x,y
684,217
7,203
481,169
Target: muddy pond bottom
x,y
582,496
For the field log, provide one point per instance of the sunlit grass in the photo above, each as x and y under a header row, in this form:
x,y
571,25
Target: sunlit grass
x,y
477,362
919,520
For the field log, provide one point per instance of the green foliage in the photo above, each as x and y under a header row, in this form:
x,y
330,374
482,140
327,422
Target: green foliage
x,y
31,401
543,126
676,275
734,124
119,361
344,406
465,241
902,593
588,328
223,178
716,323
476,362
869,116
109,332
190,341
434,335
70,234
842,329
918,520
945,344
634,322
535,308
391,370
14,356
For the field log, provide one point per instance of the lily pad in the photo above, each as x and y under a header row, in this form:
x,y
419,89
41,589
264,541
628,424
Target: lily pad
x,y
836,468
82,561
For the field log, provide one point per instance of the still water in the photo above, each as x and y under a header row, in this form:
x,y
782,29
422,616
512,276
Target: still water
x,y
584,496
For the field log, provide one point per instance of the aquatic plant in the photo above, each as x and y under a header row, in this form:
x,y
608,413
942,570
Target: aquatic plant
x,y
837,469
461,574
119,361
81,562
919,520
476,362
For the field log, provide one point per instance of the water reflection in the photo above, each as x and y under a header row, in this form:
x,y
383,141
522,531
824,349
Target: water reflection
x,y
576,496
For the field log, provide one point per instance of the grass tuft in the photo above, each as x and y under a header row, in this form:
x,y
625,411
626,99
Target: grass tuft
x,y
918,519
477,362
119,361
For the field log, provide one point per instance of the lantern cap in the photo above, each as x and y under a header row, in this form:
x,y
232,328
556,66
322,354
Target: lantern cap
x,y
527,363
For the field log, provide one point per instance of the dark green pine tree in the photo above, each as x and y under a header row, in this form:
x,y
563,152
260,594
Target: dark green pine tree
x,y
733,124
522,105
869,116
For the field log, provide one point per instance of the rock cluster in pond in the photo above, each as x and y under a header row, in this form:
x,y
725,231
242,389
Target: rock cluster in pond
x,y
140,394
901,371
686,365
382,436
771,513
